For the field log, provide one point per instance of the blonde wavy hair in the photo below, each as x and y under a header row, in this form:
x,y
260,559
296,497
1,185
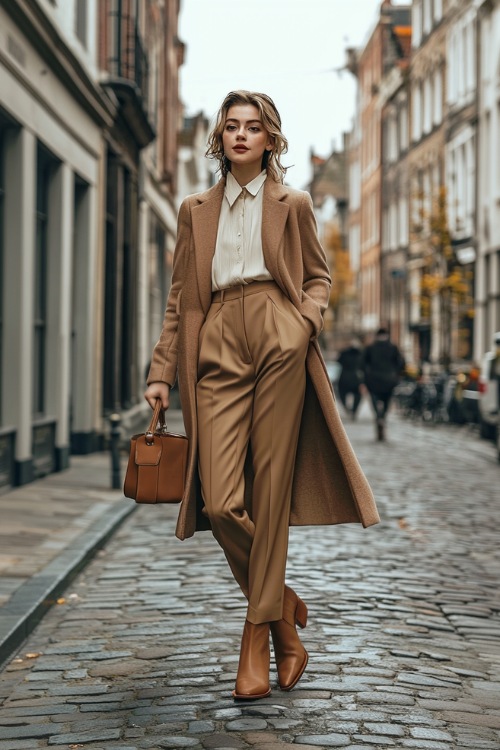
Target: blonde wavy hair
x,y
271,121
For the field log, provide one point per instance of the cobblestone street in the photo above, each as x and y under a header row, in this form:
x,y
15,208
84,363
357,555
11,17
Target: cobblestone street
x,y
403,635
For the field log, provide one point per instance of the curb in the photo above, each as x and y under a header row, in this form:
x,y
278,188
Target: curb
x,y
31,601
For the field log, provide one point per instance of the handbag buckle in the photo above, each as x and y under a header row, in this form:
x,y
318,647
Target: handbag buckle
x,y
150,438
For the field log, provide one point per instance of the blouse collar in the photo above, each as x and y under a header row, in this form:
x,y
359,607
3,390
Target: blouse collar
x,y
233,188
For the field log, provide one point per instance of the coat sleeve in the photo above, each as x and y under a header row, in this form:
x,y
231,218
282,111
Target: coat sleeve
x,y
316,275
164,358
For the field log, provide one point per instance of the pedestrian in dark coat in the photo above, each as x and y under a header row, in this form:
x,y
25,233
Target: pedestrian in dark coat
x,y
382,366
267,449
351,377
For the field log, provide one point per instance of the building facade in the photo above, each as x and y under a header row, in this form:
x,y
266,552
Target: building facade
x,y
353,166
461,160
139,58
52,116
369,75
436,112
88,142
443,181
427,180
387,46
395,116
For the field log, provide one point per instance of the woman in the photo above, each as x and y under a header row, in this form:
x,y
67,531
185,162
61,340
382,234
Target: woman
x,y
250,284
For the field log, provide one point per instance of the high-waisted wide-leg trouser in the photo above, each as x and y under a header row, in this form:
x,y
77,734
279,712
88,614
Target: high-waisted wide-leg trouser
x,y
251,385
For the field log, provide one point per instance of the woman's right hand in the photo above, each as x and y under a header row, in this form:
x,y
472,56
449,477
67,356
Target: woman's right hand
x,y
160,390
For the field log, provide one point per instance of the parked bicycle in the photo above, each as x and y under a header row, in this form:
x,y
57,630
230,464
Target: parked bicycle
x,y
424,398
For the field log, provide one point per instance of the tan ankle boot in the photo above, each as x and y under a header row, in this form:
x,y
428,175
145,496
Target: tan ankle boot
x,y
252,681
291,656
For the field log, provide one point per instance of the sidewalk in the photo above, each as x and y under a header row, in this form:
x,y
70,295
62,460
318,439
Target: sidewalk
x,y
49,530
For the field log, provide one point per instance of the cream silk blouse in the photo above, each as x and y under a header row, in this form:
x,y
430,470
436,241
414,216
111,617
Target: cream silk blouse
x,y
238,257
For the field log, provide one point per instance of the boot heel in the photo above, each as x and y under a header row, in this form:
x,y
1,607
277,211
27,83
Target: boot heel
x,y
301,613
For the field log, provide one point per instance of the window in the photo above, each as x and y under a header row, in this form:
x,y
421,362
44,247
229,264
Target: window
x,y
497,170
426,199
470,53
154,87
128,381
120,373
417,201
403,126
2,194
461,190
486,47
355,246
427,105
417,23
451,68
393,226
416,113
81,21
385,229
427,17
354,186
462,62
392,134
471,186
452,188
438,96
486,161
43,174
403,221
435,179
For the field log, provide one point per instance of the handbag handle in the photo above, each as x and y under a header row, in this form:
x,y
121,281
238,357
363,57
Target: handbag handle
x,y
158,416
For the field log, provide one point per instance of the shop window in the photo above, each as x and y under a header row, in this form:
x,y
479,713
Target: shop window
x,y
43,175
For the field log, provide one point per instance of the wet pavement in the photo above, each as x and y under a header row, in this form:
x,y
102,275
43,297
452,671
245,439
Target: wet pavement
x,y
403,635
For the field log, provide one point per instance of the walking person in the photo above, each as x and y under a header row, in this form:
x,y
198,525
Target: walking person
x,y
351,377
267,449
382,365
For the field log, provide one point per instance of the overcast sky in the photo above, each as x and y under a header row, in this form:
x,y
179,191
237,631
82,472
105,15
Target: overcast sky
x,y
288,49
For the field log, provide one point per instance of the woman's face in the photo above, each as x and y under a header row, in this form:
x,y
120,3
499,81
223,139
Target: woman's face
x,y
244,137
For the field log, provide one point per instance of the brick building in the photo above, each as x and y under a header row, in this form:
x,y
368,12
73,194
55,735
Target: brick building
x,y
395,115
384,47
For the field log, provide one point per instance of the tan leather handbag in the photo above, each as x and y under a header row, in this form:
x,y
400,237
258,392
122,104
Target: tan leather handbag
x,y
156,470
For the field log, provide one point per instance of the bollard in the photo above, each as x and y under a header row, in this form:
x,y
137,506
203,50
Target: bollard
x,y
115,434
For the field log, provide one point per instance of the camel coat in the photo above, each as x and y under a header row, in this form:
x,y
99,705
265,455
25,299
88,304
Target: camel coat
x,y
329,486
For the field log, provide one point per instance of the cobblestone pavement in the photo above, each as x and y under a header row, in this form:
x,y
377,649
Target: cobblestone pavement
x,y
403,635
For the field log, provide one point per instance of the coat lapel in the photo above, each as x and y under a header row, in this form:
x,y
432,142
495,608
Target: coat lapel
x,y
274,216
205,218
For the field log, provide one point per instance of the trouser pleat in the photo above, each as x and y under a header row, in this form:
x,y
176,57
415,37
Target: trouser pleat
x,y
250,392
